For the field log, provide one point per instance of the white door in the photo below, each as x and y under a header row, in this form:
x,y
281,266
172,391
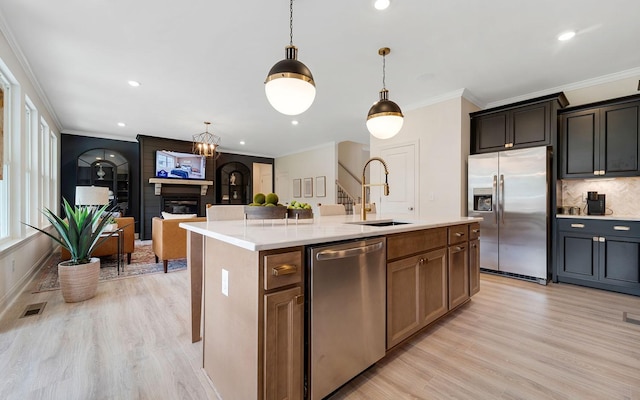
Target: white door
x,y
403,180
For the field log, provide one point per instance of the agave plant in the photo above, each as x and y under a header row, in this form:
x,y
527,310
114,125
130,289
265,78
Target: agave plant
x,y
76,231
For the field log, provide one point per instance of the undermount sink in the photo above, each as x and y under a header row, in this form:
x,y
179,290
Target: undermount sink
x,y
379,223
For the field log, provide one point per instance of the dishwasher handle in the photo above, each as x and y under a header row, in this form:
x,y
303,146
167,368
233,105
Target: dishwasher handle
x,y
352,252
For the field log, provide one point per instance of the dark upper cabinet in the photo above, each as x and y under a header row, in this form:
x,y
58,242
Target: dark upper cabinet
x,y
520,125
601,140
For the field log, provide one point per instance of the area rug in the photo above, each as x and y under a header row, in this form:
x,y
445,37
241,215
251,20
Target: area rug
x,y
142,262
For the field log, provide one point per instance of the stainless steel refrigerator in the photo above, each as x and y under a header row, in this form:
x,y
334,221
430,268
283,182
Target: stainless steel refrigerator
x,y
510,191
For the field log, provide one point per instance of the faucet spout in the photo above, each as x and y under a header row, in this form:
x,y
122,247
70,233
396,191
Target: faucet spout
x,y
363,210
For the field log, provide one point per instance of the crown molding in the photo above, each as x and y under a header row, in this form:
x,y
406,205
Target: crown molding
x,y
616,76
22,60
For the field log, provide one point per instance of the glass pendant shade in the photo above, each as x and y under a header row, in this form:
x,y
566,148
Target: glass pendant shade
x,y
289,86
385,118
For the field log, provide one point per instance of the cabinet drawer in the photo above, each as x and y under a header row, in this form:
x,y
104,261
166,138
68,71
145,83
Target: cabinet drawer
x,y
600,227
458,233
282,269
410,243
474,231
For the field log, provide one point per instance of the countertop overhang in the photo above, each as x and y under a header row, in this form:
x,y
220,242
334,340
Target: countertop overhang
x,y
256,235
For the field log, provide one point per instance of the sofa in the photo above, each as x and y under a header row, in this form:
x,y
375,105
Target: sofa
x,y
110,246
169,241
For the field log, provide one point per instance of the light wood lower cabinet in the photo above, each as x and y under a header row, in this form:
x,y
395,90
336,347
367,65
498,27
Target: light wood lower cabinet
x,y
283,335
458,274
474,267
416,294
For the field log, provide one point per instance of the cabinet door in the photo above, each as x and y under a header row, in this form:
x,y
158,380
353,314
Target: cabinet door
x,y
619,145
577,255
619,261
458,275
530,126
403,317
432,292
474,266
491,132
580,140
283,338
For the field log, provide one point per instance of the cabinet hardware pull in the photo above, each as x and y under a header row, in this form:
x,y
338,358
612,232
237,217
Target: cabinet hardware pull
x,y
474,245
595,238
458,249
300,299
475,230
577,225
621,228
601,239
506,145
602,172
459,234
284,269
422,261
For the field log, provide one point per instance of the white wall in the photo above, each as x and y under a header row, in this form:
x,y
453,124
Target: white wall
x,y
319,161
442,133
21,256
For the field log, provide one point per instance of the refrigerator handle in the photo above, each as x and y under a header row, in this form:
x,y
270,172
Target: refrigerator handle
x,y
502,198
495,198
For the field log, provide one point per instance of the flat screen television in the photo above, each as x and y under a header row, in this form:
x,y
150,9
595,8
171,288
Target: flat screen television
x,y
172,164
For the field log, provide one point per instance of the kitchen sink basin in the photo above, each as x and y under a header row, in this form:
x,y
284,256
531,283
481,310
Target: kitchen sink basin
x,y
379,223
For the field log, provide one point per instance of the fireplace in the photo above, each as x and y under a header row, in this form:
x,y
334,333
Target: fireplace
x,y
181,205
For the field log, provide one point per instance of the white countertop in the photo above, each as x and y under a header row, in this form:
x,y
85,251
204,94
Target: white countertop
x,y
611,217
258,235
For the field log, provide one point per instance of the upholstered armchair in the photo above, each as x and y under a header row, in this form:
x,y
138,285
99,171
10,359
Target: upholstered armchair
x,y
110,246
169,240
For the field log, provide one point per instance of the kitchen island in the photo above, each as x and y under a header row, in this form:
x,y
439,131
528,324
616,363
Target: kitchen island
x,y
254,290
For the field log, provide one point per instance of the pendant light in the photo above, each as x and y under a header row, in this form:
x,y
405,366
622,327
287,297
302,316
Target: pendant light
x,y
385,117
206,143
289,86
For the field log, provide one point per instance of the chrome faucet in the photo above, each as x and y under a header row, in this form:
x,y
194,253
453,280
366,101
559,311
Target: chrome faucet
x,y
364,209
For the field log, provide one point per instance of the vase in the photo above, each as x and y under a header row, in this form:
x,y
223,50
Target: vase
x,y
79,282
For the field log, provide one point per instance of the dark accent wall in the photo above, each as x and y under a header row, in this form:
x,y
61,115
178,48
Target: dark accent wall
x,y
72,146
150,203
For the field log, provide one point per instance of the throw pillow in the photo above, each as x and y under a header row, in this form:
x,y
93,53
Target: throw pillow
x,y
167,215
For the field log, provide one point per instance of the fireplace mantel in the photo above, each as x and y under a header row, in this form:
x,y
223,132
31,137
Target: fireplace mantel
x,y
204,185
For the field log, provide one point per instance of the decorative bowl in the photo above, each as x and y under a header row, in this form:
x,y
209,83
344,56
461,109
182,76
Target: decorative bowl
x,y
262,212
299,213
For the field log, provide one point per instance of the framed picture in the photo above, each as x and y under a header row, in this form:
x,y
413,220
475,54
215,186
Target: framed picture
x,y
321,186
308,187
297,188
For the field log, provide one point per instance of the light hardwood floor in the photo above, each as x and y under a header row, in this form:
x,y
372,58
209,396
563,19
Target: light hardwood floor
x,y
514,340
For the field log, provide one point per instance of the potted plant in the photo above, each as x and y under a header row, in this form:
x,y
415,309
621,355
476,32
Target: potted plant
x,y
76,233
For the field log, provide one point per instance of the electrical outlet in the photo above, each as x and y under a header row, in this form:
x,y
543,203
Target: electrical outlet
x,y
584,197
225,282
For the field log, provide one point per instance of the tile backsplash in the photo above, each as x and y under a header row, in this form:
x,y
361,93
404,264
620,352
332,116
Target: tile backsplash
x,y
623,194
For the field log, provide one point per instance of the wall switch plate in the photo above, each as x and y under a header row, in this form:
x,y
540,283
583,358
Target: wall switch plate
x,y
225,282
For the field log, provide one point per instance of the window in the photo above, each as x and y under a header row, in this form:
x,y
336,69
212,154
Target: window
x,y
30,163
5,135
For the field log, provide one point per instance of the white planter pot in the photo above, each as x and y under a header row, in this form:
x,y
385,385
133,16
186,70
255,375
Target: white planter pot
x,y
79,282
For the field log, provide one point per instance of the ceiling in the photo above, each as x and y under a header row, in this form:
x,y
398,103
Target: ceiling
x,y
204,60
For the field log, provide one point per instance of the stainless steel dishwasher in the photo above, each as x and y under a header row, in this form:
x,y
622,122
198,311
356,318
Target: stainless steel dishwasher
x,y
345,312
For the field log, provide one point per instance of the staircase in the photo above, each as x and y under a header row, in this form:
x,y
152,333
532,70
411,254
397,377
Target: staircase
x,y
345,198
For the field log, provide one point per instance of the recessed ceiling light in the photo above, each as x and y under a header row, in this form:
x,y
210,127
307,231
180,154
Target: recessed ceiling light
x,y
242,142
566,35
121,124
134,83
381,4
294,122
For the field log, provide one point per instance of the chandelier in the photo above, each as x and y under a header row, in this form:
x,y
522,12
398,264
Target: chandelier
x,y
206,143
